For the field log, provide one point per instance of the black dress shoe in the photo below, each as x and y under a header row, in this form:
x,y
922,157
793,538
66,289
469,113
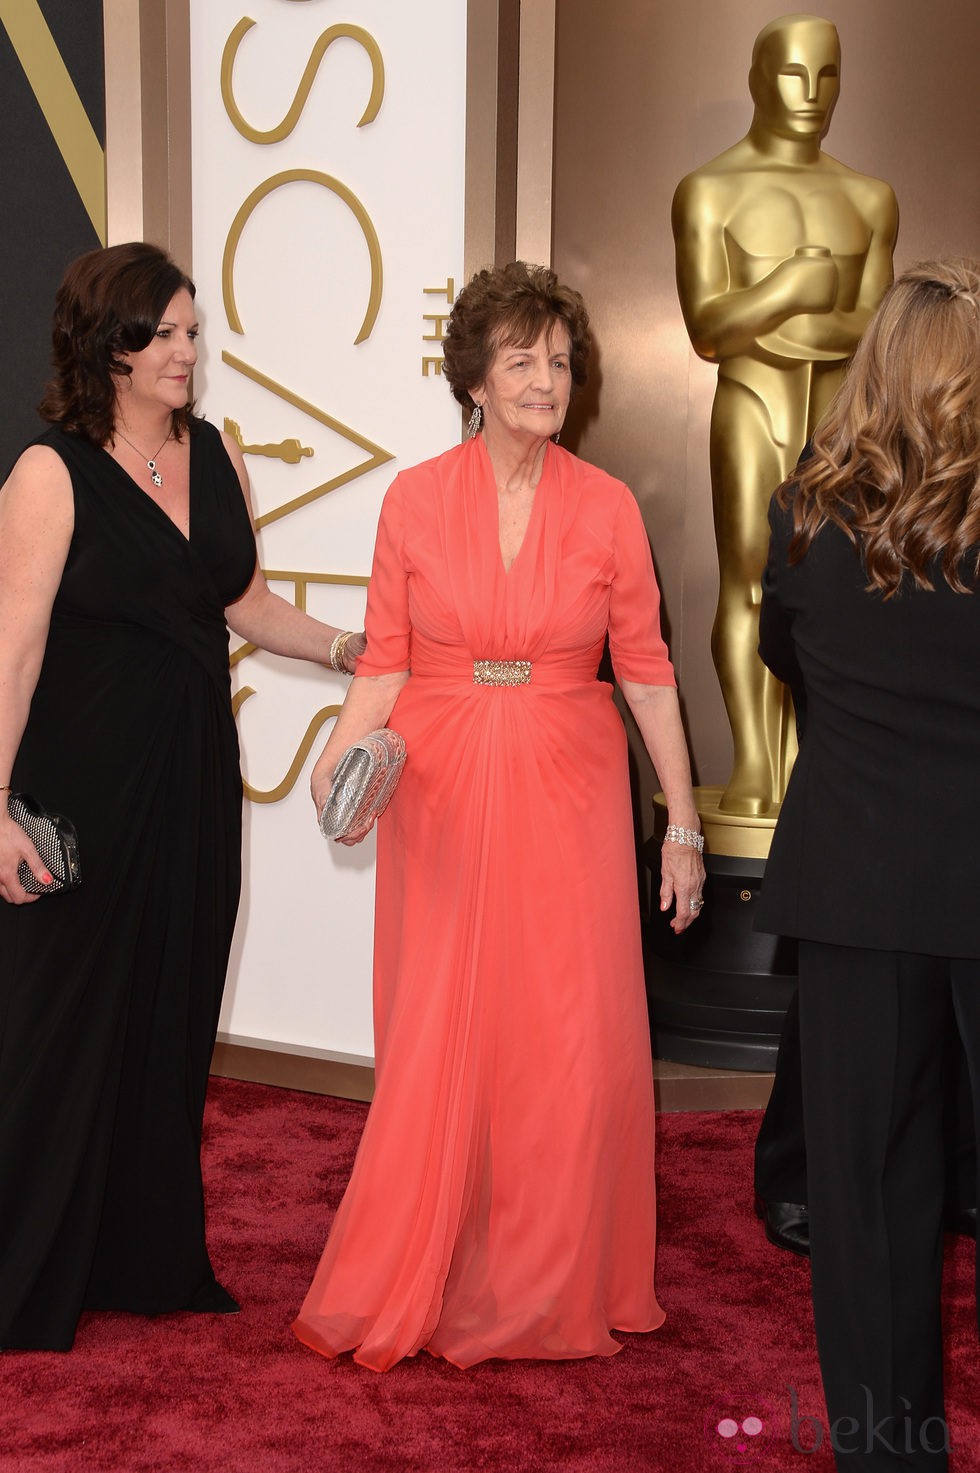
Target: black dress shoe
x,y
961,1220
787,1225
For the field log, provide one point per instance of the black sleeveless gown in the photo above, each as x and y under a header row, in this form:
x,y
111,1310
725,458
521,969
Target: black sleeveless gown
x,y
109,996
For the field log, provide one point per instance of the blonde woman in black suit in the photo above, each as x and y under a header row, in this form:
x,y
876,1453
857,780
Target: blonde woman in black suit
x,y
871,602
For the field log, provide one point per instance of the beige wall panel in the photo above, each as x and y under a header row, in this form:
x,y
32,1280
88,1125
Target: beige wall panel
x,y
148,123
323,257
644,93
492,60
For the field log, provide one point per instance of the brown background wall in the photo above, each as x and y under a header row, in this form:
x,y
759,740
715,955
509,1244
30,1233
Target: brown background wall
x,y
645,92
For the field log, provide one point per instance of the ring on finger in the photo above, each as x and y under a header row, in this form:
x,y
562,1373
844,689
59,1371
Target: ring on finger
x,y
696,903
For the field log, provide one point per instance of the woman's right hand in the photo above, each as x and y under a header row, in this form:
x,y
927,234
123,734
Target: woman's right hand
x,y
321,779
320,784
367,706
15,846
351,839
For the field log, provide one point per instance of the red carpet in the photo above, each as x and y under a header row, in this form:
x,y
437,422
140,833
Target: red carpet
x,y
218,1395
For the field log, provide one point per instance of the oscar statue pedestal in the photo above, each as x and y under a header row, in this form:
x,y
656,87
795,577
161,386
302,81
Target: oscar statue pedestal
x,y
719,991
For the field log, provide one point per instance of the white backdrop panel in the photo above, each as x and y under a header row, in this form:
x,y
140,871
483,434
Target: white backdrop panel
x,y
379,208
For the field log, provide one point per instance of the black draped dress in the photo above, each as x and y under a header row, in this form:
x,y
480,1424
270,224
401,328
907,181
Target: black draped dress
x,y
109,996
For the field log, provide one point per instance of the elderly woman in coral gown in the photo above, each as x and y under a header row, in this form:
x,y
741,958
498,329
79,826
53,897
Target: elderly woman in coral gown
x,y
502,1201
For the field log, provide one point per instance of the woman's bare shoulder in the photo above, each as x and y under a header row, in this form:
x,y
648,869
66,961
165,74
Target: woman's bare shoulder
x,y
38,487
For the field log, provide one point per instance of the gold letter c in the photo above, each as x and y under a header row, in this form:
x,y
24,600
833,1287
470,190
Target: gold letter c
x,y
311,176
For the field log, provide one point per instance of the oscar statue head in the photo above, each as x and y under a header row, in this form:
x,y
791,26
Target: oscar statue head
x,y
795,76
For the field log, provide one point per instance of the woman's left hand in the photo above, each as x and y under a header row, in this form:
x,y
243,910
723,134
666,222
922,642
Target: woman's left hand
x,y
658,715
353,649
681,882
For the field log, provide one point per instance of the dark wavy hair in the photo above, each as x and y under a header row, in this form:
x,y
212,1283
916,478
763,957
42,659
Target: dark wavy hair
x,y
510,306
896,460
110,302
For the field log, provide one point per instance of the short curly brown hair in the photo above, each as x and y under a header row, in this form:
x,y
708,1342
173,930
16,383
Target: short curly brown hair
x,y
110,302
510,306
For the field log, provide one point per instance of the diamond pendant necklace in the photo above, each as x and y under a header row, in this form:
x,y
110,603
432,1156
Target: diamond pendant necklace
x,y
151,464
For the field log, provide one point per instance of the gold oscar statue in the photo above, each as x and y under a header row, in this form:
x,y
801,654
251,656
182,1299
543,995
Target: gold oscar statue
x,y
783,253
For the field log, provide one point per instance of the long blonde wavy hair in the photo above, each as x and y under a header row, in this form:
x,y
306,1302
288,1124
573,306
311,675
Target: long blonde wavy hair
x,y
896,460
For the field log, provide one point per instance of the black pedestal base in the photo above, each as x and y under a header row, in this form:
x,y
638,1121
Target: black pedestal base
x,y
719,991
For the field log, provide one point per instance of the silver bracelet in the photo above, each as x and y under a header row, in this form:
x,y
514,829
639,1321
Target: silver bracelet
x,y
676,835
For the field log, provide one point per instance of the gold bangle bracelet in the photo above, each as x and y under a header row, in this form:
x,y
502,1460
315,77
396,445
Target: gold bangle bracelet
x,y
337,651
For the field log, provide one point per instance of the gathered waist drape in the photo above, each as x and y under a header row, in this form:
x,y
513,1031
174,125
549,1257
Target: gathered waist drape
x,y
554,672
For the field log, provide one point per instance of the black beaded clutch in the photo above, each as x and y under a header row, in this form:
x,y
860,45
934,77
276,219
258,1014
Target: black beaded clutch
x,y
55,840
363,782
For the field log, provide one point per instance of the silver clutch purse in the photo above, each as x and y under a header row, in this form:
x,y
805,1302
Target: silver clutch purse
x,y
365,778
55,840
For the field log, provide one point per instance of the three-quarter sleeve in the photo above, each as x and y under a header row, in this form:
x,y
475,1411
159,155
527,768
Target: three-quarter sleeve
x,y
635,642
386,622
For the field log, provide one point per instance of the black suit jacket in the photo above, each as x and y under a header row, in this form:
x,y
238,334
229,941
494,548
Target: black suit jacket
x,y
878,841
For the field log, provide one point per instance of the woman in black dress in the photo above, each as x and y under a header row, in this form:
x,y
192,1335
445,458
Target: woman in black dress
x,y
126,549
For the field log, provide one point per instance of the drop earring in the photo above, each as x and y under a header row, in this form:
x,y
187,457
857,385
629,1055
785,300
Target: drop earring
x,y
476,420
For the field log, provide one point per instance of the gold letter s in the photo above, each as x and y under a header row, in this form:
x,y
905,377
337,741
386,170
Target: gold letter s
x,y
283,130
284,788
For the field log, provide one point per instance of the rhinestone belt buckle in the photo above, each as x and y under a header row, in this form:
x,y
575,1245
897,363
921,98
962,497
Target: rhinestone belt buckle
x,y
501,672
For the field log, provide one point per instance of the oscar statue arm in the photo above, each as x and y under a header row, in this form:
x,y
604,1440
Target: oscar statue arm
x,y
840,330
723,321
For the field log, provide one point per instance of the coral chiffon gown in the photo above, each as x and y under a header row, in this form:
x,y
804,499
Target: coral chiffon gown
x,y
502,1200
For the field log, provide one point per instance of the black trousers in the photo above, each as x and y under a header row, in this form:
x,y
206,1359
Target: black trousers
x,y
872,1031
780,1148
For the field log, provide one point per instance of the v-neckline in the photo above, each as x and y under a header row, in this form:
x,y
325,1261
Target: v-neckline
x,y
184,536
532,517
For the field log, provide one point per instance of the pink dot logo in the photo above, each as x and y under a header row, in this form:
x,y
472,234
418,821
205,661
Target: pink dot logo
x,y
739,1434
